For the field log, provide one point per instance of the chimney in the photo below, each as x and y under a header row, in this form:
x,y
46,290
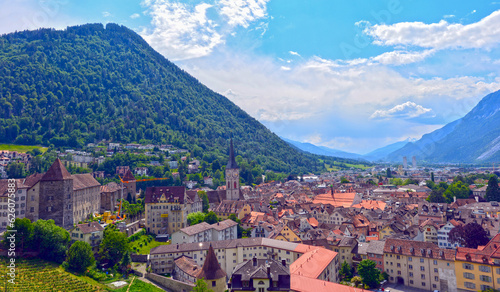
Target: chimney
x,y
454,199
254,261
283,262
477,198
177,246
269,271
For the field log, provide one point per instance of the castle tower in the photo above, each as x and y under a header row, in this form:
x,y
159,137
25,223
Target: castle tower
x,y
56,196
232,176
212,273
405,162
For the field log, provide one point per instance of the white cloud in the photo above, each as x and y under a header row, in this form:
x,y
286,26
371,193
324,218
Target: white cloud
x,y
135,15
181,31
484,34
408,109
285,68
449,16
402,57
184,31
294,53
242,12
106,14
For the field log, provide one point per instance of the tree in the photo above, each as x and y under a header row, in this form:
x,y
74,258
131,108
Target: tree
x,y
211,218
80,257
344,180
195,218
125,262
52,240
345,271
204,199
457,189
492,190
470,235
113,246
389,173
436,196
369,273
432,176
15,170
240,229
24,234
356,281
201,286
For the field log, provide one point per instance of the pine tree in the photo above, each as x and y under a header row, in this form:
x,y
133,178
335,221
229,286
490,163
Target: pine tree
x,y
492,191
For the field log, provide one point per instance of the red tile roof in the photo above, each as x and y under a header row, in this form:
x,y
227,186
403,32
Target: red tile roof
x,y
304,284
312,263
57,171
418,249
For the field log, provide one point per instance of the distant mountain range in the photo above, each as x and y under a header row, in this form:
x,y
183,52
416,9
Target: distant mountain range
x,y
375,155
475,138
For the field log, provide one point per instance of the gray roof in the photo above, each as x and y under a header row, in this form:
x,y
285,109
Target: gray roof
x,y
376,247
232,161
256,269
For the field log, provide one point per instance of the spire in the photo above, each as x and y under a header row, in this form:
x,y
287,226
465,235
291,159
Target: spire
x,y
232,161
57,171
211,268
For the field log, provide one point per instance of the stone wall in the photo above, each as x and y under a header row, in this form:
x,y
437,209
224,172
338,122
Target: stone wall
x,y
170,283
61,193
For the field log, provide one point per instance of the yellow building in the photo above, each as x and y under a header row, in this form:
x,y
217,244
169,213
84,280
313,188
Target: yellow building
x,y
285,233
385,232
91,233
166,209
479,269
420,265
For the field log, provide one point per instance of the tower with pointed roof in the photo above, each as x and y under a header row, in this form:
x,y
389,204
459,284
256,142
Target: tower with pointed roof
x,y
212,273
56,196
232,176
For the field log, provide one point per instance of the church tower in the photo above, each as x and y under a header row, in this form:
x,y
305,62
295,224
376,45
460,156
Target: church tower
x,y
232,176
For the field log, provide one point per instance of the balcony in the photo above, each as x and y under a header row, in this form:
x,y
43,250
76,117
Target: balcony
x,y
94,237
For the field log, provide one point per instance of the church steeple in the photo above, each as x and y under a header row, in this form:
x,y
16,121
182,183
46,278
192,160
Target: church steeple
x,y
232,176
232,161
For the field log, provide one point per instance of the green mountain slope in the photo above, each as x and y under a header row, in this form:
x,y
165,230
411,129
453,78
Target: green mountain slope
x,y
88,83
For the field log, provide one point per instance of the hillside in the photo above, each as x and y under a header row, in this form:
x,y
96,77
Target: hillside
x,y
91,83
475,138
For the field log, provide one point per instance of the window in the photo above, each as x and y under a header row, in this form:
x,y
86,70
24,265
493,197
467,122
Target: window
x,y
423,284
435,270
421,260
484,269
411,281
411,274
435,262
468,266
485,278
436,278
422,268
422,277
468,276
399,265
214,283
485,287
409,259
245,284
410,267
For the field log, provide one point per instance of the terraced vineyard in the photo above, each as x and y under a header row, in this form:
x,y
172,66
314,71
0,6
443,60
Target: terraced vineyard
x,y
37,275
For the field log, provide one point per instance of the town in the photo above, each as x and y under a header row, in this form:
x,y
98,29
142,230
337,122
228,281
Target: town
x,y
429,228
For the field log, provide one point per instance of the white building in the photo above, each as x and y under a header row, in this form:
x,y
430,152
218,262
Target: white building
x,y
443,232
203,232
19,201
173,164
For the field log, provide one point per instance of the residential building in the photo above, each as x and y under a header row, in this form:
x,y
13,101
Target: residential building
x,y
166,209
375,252
91,233
185,270
420,265
12,195
202,232
443,234
261,275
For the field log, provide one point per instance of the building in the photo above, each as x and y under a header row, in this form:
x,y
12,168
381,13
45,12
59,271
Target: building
x,y
479,269
166,209
261,275
419,264
443,234
110,195
67,199
212,273
8,187
429,230
414,161
186,270
232,252
405,162
202,232
232,176
375,252
91,233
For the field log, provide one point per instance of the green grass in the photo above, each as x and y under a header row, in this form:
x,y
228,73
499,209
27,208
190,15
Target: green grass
x,y
139,286
146,247
21,148
39,275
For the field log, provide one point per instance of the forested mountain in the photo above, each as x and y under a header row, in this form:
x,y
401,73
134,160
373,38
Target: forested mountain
x,y
475,138
91,83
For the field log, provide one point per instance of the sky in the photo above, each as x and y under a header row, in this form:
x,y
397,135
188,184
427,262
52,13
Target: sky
x,y
350,75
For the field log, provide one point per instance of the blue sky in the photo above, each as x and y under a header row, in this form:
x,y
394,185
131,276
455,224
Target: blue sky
x,y
350,75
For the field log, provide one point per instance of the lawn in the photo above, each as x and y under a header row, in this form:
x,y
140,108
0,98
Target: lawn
x,y
139,286
21,148
146,245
